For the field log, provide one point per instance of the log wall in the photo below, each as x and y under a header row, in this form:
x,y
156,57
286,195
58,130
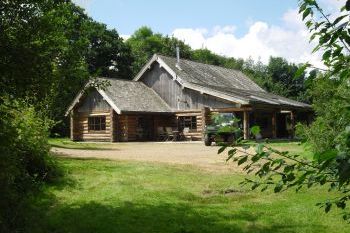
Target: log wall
x,y
194,135
81,131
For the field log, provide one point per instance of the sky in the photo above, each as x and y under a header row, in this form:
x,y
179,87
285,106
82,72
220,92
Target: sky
x,y
245,29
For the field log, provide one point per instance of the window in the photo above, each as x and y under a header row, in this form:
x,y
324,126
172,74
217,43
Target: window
x,y
97,123
188,122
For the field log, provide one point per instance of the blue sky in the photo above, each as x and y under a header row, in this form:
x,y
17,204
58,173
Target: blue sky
x,y
245,29
164,16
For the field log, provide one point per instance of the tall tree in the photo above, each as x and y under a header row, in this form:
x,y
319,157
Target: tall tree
x,y
283,79
49,49
144,43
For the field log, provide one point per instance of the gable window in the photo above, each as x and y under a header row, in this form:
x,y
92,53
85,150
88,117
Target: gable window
x,y
97,123
188,122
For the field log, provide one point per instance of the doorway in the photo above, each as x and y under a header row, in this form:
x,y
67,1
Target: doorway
x,y
145,128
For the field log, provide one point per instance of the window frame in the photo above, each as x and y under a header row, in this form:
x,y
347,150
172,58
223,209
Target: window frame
x,y
97,124
188,122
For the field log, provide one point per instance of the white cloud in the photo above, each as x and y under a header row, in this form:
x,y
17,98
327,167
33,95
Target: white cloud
x,y
125,37
291,40
83,3
332,5
194,37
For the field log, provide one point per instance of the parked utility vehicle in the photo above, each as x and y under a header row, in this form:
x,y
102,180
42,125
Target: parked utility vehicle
x,y
224,128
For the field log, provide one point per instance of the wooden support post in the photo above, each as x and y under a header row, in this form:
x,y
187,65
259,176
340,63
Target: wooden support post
x,y
72,125
126,129
274,125
292,122
112,125
246,133
205,119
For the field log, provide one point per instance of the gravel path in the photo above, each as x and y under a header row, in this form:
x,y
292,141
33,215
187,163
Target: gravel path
x,y
194,153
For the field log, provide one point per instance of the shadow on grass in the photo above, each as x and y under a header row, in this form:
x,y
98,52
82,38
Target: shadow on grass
x,y
129,217
65,156
79,147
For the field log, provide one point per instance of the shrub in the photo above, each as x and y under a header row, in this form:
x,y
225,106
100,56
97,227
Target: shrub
x,y
25,161
331,101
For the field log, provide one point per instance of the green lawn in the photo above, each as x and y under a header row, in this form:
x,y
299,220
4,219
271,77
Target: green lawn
x,y
112,196
69,144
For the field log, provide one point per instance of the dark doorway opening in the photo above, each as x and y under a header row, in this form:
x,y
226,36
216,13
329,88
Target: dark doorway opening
x,y
282,131
145,128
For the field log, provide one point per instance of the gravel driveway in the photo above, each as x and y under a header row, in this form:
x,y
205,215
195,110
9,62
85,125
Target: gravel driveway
x,y
189,153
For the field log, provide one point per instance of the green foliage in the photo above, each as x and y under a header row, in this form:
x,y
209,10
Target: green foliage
x,y
226,124
25,161
255,130
49,49
144,43
328,135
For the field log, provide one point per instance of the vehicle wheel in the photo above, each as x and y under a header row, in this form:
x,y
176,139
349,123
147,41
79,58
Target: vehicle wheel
x,y
230,139
207,140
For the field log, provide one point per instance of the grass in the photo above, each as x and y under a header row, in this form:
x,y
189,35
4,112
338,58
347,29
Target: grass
x,y
66,143
294,147
113,196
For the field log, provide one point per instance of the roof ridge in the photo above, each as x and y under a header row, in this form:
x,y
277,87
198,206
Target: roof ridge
x,y
197,62
119,79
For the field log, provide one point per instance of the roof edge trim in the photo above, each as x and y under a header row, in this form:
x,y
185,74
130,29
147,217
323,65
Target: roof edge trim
x,y
81,93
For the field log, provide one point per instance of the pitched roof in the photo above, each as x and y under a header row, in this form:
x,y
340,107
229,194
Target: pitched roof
x,y
225,83
132,96
129,96
210,75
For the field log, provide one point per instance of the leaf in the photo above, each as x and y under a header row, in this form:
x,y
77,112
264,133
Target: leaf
x,y
326,55
308,24
301,70
231,153
255,130
306,12
278,188
221,149
264,188
327,155
243,160
259,148
324,39
255,185
328,207
347,5
337,20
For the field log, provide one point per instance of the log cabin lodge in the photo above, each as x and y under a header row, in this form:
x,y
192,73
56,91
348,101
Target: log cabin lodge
x,y
178,94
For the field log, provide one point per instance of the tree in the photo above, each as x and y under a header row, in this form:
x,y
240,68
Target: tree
x,y
108,56
283,72
207,57
144,43
49,49
329,134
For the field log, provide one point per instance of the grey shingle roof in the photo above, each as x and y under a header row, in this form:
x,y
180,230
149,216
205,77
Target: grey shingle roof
x,y
210,75
227,81
258,97
131,96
